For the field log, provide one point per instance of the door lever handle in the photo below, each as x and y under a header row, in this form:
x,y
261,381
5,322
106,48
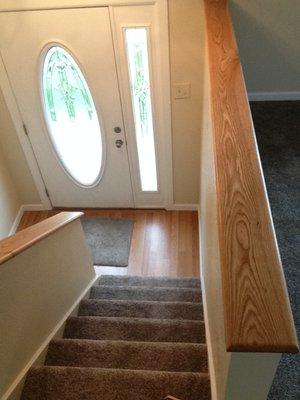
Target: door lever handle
x,y
119,143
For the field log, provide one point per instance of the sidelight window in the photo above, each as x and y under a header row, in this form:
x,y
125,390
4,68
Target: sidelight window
x,y
139,74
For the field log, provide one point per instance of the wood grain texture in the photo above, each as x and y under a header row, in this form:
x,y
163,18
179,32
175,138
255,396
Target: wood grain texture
x,y
257,311
164,243
22,240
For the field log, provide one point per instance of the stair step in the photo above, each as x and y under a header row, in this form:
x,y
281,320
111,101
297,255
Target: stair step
x,y
121,280
141,309
70,383
135,329
145,293
181,357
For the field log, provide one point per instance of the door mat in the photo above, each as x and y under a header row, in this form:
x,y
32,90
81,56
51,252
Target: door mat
x,y
109,239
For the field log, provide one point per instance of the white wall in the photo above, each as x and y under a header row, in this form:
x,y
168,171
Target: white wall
x,y
9,198
268,35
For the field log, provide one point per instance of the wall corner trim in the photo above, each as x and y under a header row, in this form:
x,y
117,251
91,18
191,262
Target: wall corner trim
x,y
22,209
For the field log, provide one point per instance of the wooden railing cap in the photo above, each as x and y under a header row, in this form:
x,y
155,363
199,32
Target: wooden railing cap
x,y
13,245
257,311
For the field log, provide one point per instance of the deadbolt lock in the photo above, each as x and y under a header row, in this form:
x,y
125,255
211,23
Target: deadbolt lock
x,y
117,129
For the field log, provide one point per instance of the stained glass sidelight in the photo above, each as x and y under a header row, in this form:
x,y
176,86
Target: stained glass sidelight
x,y
138,64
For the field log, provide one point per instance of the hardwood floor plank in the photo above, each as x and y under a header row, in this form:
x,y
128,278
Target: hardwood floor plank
x,y
164,243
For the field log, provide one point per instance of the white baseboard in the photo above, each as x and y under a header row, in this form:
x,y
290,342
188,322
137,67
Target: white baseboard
x,y
22,209
15,390
16,222
33,207
183,207
273,96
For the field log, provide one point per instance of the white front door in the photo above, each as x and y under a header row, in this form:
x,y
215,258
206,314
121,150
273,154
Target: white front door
x,y
70,52
92,88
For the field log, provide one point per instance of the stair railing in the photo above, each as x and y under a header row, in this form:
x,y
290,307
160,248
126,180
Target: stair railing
x,y
247,311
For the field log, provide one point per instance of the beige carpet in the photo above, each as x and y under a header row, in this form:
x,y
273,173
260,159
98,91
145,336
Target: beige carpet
x,y
134,339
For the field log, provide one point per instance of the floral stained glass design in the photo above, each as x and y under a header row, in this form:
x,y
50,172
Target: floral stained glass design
x,y
71,116
139,74
68,81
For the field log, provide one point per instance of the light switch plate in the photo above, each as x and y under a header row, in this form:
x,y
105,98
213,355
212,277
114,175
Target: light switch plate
x,y
182,90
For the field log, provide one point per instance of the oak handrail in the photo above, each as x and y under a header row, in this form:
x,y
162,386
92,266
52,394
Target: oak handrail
x,y
257,311
22,240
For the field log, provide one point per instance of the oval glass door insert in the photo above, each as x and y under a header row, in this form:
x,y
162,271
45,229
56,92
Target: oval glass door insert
x,y
71,117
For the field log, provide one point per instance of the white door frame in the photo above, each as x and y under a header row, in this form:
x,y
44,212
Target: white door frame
x,y
22,135
31,5
161,10
154,19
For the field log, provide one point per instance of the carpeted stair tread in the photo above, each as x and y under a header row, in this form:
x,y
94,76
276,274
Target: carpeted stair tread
x,y
69,383
189,357
135,329
120,280
145,293
135,338
141,309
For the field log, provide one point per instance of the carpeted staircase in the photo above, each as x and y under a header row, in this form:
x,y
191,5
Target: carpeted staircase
x,y
136,338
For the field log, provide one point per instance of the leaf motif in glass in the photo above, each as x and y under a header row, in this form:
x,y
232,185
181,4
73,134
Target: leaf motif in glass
x,y
71,116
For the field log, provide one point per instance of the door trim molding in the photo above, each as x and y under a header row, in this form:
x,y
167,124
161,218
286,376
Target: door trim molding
x,y
32,5
23,138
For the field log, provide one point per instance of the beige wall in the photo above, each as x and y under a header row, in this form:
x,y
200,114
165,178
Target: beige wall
x,y
9,198
268,34
186,58
15,158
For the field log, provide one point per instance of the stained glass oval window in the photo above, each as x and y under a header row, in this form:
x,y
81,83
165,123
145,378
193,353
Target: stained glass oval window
x,y
71,117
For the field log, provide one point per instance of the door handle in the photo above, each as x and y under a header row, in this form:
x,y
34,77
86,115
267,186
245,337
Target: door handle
x,y
119,143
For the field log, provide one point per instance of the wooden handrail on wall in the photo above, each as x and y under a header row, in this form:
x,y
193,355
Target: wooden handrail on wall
x,y
257,311
13,245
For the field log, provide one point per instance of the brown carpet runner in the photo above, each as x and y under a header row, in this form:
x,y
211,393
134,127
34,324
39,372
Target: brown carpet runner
x,y
136,338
